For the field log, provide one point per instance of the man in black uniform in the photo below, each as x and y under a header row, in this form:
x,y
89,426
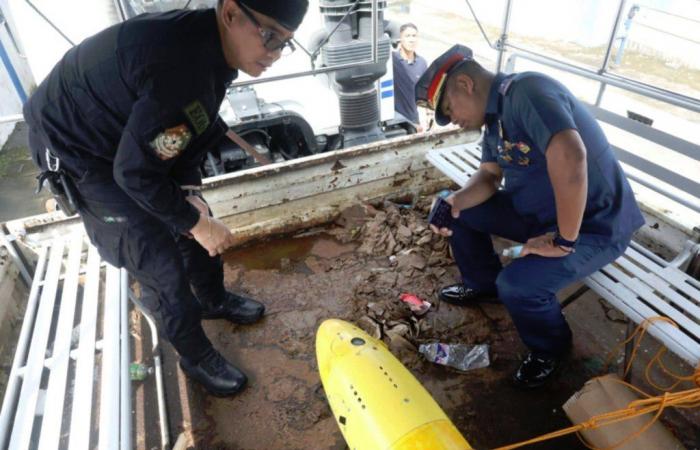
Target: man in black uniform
x,y
126,118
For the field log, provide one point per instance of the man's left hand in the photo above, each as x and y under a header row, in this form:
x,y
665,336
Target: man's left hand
x,y
543,246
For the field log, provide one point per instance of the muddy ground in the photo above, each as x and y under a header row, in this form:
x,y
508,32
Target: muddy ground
x,y
356,269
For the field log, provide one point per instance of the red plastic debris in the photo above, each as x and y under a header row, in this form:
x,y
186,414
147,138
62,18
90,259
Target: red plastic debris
x,y
417,306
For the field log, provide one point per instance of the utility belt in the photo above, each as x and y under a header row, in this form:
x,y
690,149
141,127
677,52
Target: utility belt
x,y
60,185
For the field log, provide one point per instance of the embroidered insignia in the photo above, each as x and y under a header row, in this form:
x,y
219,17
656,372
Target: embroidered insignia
x,y
524,161
508,145
197,116
171,142
507,158
523,147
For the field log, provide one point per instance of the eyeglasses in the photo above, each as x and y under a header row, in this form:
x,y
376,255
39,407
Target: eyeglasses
x,y
271,40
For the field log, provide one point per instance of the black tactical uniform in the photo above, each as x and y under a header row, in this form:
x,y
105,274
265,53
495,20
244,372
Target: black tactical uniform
x,y
130,113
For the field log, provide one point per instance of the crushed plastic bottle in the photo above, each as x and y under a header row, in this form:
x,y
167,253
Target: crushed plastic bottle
x,y
460,356
513,252
139,372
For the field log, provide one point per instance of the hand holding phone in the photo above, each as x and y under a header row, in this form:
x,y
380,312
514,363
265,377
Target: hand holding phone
x,y
441,214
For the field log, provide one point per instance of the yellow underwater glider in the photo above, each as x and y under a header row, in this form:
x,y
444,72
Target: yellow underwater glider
x,y
377,402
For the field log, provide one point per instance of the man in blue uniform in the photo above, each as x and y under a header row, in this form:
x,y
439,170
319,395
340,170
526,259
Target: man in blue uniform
x,y
564,196
122,124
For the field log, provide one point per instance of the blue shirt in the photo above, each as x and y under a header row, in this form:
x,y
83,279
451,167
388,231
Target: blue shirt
x,y
524,111
406,74
137,105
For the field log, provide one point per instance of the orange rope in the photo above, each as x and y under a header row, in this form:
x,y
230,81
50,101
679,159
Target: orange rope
x,y
648,404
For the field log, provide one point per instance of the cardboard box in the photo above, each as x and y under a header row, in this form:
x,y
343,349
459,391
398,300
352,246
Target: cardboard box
x,y
606,394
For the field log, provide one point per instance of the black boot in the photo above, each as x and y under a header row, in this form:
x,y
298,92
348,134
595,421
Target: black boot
x,y
460,295
535,371
218,376
236,309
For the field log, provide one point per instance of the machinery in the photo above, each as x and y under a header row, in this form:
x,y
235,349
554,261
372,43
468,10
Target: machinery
x,y
338,109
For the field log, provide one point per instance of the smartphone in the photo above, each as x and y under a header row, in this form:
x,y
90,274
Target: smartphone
x,y
441,214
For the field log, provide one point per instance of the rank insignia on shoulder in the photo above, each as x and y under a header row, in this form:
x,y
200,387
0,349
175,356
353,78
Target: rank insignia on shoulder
x,y
171,142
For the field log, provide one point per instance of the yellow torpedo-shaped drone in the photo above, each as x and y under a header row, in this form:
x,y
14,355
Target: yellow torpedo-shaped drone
x,y
376,401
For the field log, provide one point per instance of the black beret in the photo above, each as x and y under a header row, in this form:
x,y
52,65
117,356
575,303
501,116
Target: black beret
x,y
288,13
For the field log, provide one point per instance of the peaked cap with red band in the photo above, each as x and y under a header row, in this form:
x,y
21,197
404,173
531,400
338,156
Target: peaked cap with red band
x,y
431,85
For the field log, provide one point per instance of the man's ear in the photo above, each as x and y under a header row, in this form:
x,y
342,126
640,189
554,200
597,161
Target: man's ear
x,y
229,12
464,83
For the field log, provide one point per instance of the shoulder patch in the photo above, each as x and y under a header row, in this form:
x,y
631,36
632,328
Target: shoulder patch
x,y
197,116
171,142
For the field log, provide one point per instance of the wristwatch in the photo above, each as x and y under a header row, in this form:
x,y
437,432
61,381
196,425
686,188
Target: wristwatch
x,y
561,242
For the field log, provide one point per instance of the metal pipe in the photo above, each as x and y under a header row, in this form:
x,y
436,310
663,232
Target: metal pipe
x,y
611,42
12,389
682,101
18,258
214,167
158,369
301,74
613,33
16,82
375,22
58,30
503,40
12,118
125,401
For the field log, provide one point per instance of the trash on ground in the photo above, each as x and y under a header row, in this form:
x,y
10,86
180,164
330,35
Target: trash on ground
x,y
460,356
417,306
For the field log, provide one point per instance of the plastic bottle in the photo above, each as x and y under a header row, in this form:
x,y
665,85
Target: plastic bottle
x,y
139,372
512,252
460,356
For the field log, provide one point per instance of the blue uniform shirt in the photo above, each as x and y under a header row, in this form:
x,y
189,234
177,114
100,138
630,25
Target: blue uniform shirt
x,y
524,111
137,105
406,74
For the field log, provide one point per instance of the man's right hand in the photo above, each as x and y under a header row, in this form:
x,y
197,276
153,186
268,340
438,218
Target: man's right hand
x,y
455,213
212,234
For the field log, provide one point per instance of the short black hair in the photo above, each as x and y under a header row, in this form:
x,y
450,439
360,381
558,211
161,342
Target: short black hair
x,y
404,26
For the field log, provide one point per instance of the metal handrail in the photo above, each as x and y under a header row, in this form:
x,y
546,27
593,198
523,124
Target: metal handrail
x,y
663,95
12,118
601,75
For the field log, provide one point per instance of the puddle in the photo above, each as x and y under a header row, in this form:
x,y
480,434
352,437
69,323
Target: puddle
x,y
283,253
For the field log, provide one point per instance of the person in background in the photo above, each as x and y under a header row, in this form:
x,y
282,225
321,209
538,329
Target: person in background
x,y
408,68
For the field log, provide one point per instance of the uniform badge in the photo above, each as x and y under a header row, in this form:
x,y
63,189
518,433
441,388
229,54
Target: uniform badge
x,y
171,142
524,161
197,116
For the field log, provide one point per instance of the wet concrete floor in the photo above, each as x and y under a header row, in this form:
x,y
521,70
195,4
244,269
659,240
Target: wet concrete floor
x,y
306,280
18,179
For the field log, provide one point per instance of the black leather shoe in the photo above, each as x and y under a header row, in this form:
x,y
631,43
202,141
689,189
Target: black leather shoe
x,y
218,376
236,309
535,371
458,294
